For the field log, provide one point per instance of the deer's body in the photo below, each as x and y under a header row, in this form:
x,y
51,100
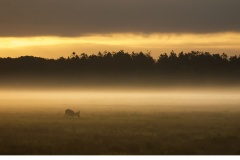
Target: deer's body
x,y
71,113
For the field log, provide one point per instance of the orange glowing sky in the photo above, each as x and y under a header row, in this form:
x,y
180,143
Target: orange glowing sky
x,y
54,47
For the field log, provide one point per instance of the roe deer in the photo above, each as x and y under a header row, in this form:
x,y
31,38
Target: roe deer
x,y
71,113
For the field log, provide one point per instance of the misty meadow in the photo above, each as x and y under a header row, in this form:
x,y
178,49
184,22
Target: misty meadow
x,y
123,103
67,87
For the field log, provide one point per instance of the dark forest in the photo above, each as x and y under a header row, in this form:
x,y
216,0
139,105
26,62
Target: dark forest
x,y
124,67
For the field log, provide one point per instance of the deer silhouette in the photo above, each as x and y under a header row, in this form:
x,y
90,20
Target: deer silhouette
x,y
71,113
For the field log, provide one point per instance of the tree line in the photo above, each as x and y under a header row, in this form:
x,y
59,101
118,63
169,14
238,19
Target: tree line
x,y
121,62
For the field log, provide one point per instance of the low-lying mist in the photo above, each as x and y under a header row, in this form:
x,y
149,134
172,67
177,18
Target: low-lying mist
x,y
180,99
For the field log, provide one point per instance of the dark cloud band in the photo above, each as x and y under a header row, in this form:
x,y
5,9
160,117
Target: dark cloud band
x,y
82,17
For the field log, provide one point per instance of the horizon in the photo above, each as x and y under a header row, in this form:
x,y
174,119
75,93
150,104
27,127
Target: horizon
x,y
155,56
55,47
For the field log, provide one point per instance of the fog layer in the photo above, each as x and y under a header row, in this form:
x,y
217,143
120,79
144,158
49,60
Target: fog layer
x,y
119,100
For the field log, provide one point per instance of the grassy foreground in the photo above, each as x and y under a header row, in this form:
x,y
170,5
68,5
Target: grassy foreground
x,y
120,133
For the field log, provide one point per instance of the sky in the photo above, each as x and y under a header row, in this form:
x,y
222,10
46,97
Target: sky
x,y
54,28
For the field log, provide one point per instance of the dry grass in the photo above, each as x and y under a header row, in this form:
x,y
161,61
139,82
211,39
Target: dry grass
x,y
120,133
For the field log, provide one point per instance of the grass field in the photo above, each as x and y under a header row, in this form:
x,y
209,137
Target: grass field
x,y
38,128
